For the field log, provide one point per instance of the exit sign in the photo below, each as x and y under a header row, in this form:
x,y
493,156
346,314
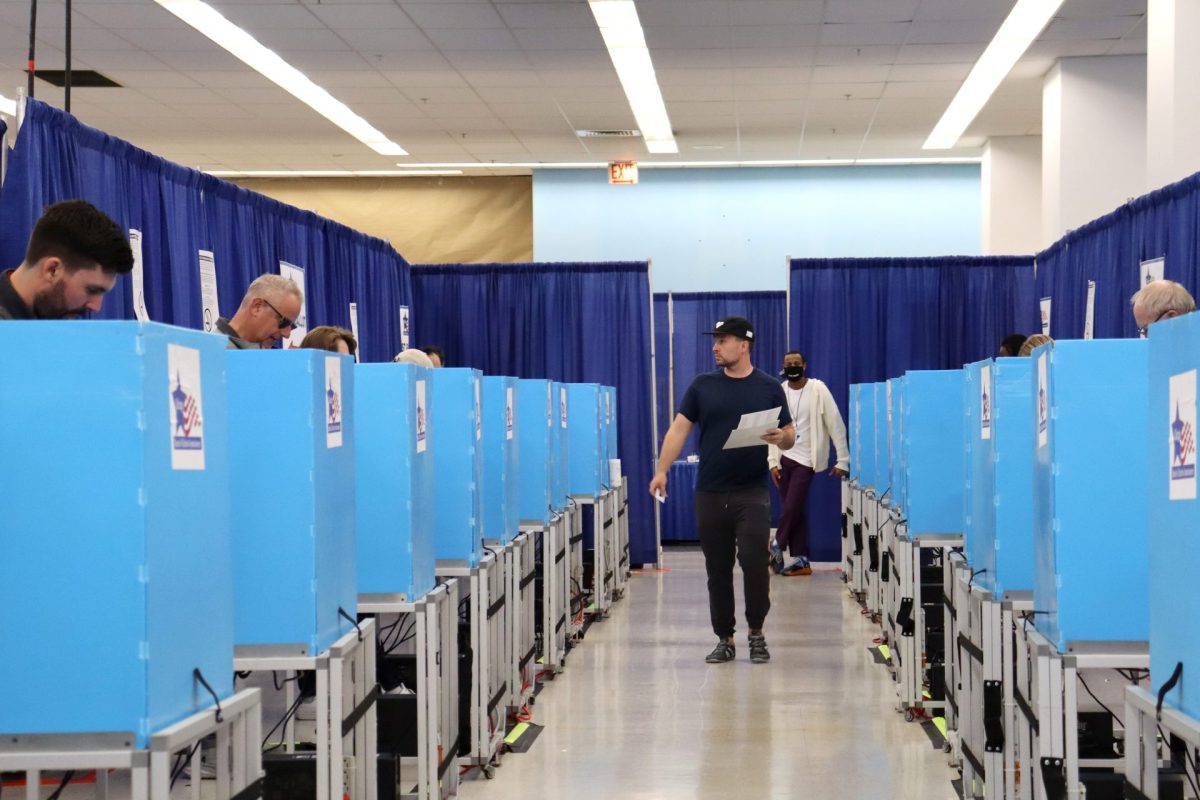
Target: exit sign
x,y
622,173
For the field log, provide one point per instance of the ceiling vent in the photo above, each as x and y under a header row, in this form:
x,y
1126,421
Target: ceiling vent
x,y
591,134
80,79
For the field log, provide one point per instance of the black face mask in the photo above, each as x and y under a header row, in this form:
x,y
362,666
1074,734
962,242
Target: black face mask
x,y
793,373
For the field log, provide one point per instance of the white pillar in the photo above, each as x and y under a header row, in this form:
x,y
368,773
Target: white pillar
x,y
1012,195
1093,139
1173,91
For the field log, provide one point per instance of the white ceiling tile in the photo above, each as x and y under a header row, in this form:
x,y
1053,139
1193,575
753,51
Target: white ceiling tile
x,y
502,78
840,105
1127,47
939,53
690,59
502,95
943,90
331,60
930,72
870,10
857,34
456,110
948,10
695,12
468,39
389,40
547,15
430,77
781,91
453,15
940,31
673,95
776,12
570,59
773,56
879,54
1093,28
362,16
1068,49
776,36
560,38
581,78
440,94
1101,8
160,79
392,61
488,59
912,104
770,76
856,91
288,41
689,38
693,77
864,73
257,18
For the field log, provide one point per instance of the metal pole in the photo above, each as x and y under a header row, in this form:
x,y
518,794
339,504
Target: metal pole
x,y
67,63
787,301
670,353
654,411
32,44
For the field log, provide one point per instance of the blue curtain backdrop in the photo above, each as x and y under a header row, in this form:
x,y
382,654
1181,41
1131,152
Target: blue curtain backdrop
x,y
577,323
181,211
1109,250
865,320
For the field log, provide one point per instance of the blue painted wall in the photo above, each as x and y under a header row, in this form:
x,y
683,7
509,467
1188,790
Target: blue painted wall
x,y
732,229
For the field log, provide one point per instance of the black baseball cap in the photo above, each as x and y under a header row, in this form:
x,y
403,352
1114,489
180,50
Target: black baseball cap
x,y
733,326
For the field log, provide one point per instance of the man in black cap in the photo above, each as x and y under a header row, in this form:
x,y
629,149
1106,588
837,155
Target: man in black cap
x,y
733,509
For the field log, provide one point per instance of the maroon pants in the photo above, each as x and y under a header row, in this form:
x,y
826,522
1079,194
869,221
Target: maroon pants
x,y
794,480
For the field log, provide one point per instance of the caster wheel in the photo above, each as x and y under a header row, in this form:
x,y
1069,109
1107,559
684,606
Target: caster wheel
x,y
533,700
946,748
489,772
909,715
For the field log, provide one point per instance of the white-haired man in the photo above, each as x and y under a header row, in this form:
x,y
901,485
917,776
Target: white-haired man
x,y
267,314
1159,300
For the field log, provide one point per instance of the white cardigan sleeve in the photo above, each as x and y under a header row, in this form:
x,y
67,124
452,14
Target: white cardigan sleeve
x,y
837,429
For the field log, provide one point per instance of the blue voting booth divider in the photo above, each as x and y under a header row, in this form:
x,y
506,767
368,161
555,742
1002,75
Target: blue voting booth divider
x,y
1174,559
1013,441
933,441
883,471
116,539
1091,580
588,470
896,452
501,515
455,425
293,492
560,452
535,427
979,520
395,479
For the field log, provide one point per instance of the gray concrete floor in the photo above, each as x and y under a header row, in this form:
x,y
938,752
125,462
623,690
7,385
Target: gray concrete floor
x,y
638,714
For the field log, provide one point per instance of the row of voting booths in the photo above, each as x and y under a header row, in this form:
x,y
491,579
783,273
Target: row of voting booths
x,y
1020,529
297,575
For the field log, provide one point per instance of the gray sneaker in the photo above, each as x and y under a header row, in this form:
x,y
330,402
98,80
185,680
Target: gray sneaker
x,y
758,650
723,652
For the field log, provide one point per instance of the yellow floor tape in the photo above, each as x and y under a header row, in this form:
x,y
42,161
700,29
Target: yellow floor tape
x,y
885,651
516,733
940,724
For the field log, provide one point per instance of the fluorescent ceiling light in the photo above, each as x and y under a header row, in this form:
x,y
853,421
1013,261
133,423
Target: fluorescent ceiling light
x,y
1020,29
241,44
332,173
7,106
626,43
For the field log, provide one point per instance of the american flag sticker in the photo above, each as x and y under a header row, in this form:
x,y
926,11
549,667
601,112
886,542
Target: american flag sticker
x,y
333,401
1043,410
985,402
1182,425
186,402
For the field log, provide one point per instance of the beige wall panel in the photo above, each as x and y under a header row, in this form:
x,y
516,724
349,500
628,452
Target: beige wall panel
x,y
428,220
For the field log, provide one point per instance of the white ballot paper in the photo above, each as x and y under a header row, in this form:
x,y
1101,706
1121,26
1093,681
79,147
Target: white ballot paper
x,y
751,428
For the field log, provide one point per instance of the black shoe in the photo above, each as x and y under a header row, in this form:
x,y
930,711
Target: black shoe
x,y
723,652
758,650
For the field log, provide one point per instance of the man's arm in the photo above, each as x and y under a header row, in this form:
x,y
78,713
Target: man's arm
x,y
672,446
837,433
783,438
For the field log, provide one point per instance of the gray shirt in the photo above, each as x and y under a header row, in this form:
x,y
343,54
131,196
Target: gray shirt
x,y
235,342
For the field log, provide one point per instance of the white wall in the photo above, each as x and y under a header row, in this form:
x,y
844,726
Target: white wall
x,y
1011,194
1093,139
1173,91
732,229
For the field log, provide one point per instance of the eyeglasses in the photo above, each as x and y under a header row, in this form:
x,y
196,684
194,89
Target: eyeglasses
x,y
284,322
1144,330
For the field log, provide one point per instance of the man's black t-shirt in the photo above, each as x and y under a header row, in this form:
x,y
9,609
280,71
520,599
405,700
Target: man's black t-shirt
x,y
11,304
716,402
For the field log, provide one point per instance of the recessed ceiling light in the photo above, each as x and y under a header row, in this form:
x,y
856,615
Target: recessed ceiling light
x,y
626,43
708,147
1023,25
241,44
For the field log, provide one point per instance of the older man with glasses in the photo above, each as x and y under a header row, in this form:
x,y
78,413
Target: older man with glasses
x,y
267,314
1159,300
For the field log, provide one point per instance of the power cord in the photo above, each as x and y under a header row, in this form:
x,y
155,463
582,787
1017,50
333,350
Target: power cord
x,y
198,675
66,779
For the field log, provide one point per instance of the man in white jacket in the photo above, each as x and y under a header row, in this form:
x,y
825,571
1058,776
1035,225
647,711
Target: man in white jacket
x,y
818,422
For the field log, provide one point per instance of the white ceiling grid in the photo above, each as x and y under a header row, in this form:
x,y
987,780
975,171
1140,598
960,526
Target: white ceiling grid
x,y
494,80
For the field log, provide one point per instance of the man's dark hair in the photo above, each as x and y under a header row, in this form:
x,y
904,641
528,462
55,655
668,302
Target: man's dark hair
x,y
81,235
434,350
1012,343
803,357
